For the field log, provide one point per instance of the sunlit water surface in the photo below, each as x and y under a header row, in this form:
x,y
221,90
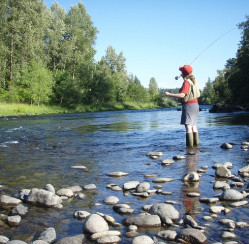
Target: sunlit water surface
x,y
38,150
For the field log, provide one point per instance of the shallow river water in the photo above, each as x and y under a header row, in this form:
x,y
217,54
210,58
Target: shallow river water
x,y
37,150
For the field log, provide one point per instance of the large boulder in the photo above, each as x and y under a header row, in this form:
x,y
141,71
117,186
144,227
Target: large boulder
x,y
94,224
43,198
164,210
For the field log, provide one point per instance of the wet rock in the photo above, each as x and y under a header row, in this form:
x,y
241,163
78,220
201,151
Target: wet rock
x,y
222,171
80,167
94,224
143,221
226,146
43,198
89,187
14,221
19,210
167,162
75,189
81,214
16,242
168,235
244,169
50,188
154,154
3,239
193,194
231,195
142,239
117,174
109,240
238,204
227,235
192,235
143,187
150,175
9,201
228,165
189,221
65,192
58,207
179,157
242,224
132,228
80,196
39,242
191,177
216,209
98,235
162,180
130,185
111,200
164,210
229,223
23,194
77,239
131,234
209,200
109,219
118,206
220,185
49,235
116,188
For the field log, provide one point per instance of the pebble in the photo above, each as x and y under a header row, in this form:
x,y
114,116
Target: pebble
x,y
192,235
216,209
89,187
238,204
94,224
209,200
162,180
98,235
228,235
111,200
81,167
167,162
193,194
142,240
130,185
226,146
223,171
154,154
65,192
143,187
179,157
220,184
168,235
50,188
49,235
117,174
191,177
108,239
81,214
150,175
9,201
14,221
3,239
132,228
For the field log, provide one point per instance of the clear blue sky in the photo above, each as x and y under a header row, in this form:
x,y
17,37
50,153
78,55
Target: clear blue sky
x,y
158,36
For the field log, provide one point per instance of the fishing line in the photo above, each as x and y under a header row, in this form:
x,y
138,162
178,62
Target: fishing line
x,y
177,77
211,44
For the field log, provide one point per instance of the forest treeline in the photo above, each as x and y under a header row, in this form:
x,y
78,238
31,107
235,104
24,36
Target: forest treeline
x,y
47,57
231,86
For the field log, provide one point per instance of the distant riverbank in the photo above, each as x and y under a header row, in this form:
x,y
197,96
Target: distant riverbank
x,y
19,109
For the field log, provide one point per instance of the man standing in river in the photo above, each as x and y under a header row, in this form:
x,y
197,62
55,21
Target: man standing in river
x,y
188,95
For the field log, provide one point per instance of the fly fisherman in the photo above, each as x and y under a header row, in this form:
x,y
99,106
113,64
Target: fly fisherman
x,y
188,94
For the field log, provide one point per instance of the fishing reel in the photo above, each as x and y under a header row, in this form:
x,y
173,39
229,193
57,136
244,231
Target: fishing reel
x,y
177,77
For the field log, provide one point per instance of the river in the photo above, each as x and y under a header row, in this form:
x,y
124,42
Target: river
x,y
37,150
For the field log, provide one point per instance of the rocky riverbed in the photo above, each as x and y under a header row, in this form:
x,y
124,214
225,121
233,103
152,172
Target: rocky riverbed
x,y
155,218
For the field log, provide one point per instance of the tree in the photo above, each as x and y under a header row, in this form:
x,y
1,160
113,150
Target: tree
x,y
208,94
153,89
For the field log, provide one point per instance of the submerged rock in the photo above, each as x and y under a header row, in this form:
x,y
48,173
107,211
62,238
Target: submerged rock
x,y
226,146
77,239
191,235
143,221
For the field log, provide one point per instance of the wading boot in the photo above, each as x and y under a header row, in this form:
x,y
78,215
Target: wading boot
x,y
196,138
189,140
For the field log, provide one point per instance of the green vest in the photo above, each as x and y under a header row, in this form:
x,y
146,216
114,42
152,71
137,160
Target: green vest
x,y
193,92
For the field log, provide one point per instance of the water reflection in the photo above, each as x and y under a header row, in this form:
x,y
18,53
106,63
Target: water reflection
x,y
191,203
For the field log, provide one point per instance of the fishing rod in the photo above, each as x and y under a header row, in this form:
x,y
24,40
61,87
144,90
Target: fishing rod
x,y
204,50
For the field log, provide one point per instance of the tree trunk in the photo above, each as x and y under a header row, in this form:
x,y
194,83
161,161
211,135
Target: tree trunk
x,y
11,60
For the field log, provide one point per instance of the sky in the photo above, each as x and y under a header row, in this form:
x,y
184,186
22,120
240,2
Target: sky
x,y
158,36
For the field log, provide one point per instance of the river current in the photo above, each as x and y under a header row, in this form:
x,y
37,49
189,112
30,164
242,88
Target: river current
x,y
37,150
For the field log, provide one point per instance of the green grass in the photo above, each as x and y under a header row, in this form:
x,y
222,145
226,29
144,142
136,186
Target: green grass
x,y
19,109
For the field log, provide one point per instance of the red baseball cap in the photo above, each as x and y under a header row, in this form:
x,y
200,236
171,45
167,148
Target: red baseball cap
x,y
186,69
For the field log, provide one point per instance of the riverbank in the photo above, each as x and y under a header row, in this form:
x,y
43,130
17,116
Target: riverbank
x,y
20,109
